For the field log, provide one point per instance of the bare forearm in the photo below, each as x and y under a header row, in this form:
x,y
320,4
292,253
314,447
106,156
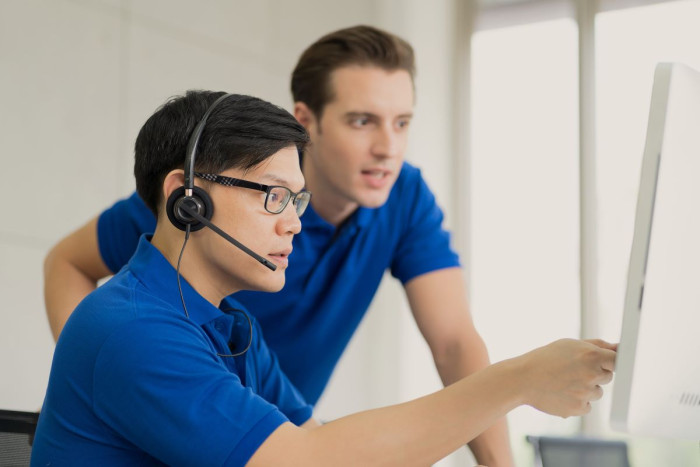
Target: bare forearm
x,y
64,287
71,271
561,378
457,347
419,432
492,447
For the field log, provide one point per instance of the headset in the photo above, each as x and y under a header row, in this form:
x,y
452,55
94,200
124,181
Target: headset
x,y
190,206
190,209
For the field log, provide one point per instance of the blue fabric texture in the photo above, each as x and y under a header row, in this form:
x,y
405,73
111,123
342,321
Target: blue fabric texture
x,y
332,276
119,229
135,382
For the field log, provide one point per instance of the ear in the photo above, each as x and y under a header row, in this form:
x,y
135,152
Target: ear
x,y
174,180
305,116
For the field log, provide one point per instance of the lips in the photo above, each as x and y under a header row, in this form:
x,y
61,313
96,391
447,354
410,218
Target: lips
x,y
376,173
376,177
281,257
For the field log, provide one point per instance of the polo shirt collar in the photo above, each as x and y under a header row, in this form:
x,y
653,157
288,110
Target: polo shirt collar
x,y
360,218
156,274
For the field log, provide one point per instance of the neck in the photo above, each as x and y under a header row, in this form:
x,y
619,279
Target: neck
x,y
168,240
328,203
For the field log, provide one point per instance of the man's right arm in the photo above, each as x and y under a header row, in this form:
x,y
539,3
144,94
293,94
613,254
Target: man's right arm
x,y
71,271
560,379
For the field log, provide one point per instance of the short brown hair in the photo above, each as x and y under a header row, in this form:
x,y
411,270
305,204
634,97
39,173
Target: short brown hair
x,y
358,45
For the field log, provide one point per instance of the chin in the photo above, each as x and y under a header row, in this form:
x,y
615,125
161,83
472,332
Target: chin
x,y
373,200
271,286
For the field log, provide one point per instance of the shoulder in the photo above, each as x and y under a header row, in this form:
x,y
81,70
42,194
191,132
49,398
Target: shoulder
x,y
410,175
119,228
410,193
133,208
152,335
119,328
410,184
116,304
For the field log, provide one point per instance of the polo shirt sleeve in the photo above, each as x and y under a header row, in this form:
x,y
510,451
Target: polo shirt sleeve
x,y
275,387
159,384
119,229
424,245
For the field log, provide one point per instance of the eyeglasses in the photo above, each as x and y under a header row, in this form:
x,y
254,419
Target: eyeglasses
x,y
276,197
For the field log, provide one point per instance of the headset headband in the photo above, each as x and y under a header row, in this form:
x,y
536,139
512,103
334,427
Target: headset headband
x,y
194,143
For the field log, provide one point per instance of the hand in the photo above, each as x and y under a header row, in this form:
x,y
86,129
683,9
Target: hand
x,y
563,377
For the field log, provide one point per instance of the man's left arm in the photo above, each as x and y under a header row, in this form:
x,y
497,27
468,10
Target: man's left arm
x,y
439,305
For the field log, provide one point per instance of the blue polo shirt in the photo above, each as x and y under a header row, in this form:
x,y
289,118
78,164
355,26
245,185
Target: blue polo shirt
x,y
136,382
333,273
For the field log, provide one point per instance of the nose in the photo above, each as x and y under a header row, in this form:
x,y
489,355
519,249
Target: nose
x,y
387,142
289,222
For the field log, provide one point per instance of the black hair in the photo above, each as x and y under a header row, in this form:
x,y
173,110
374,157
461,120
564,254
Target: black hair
x,y
241,132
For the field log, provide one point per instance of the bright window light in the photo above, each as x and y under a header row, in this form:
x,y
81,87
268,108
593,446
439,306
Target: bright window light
x,y
524,204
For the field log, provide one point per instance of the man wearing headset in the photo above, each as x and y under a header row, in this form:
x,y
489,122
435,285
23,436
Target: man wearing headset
x,y
353,92
161,366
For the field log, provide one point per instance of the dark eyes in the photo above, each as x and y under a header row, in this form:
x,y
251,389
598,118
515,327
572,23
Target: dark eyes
x,y
359,122
364,121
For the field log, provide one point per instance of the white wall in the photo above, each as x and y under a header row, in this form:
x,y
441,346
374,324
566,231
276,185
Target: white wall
x,y
79,78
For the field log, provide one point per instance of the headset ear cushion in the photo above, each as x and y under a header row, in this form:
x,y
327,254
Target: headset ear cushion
x,y
200,201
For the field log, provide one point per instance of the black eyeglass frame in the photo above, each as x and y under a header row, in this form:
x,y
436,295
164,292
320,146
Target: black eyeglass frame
x,y
267,189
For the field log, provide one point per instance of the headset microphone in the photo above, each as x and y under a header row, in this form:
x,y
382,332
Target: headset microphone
x,y
199,218
190,208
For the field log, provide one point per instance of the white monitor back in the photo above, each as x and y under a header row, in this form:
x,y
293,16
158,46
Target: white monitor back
x,y
657,385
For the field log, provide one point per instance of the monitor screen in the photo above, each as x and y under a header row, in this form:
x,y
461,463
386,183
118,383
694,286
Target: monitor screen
x,y
657,382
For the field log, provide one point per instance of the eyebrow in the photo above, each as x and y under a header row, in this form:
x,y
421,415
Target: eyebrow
x,y
375,116
275,180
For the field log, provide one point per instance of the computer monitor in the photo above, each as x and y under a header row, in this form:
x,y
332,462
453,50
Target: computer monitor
x,y
657,383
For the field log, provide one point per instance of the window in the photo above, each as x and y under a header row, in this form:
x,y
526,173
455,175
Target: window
x,y
524,203
524,187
